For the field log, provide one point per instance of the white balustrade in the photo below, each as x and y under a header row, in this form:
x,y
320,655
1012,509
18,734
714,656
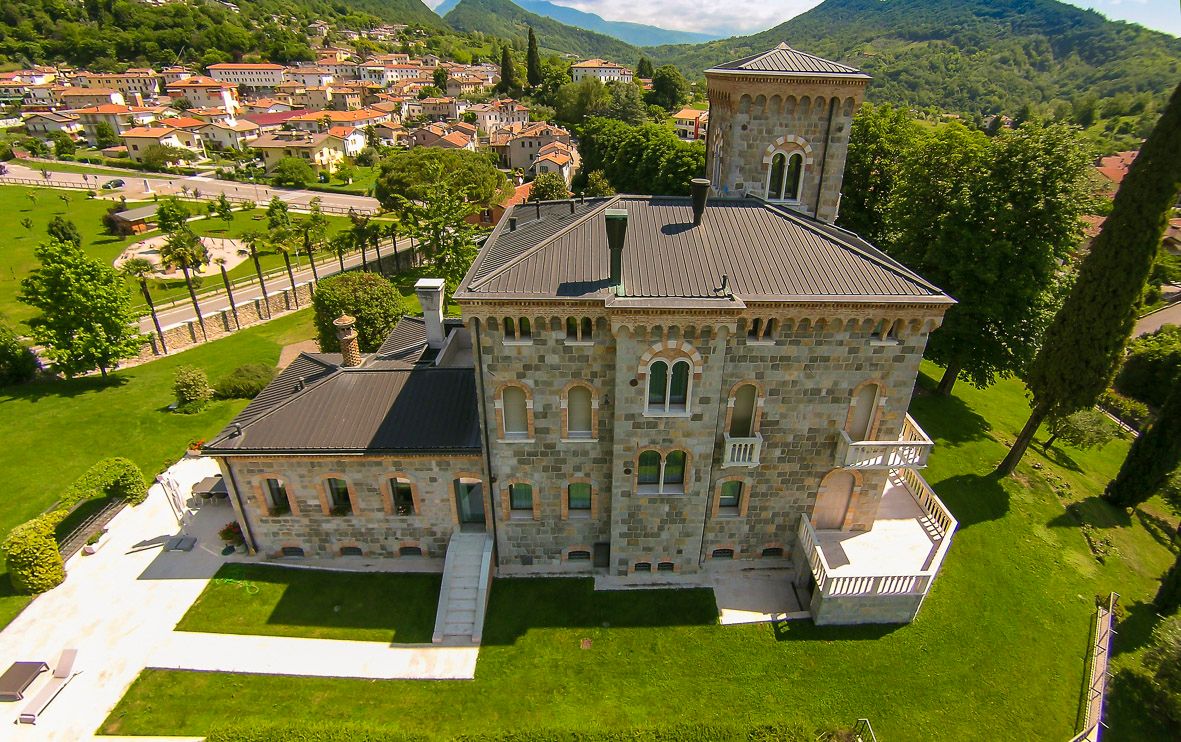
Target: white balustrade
x,y
742,451
910,450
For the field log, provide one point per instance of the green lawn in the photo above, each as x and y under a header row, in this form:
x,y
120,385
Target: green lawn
x,y
999,650
363,180
279,601
53,431
58,166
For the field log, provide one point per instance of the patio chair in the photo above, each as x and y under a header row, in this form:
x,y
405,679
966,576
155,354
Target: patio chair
x,y
63,673
18,677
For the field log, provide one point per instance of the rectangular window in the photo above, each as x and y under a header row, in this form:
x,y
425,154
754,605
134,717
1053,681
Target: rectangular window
x,y
579,498
730,497
338,497
520,497
277,497
403,497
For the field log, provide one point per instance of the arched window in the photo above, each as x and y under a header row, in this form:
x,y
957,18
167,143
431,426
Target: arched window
x,y
338,496
578,413
742,417
351,551
730,497
723,554
783,182
762,330
292,551
668,392
579,330
661,476
643,567
516,413
666,567
578,555
773,552
517,330
408,551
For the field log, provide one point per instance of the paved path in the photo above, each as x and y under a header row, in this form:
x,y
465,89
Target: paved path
x,y
278,655
1170,315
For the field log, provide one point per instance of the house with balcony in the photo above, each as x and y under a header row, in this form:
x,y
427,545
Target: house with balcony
x,y
661,388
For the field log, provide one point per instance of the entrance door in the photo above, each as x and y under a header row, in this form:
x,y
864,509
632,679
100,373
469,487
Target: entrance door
x,y
832,501
469,501
864,407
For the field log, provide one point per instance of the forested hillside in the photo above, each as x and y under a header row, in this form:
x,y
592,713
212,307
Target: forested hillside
x,y
506,20
101,34
979,56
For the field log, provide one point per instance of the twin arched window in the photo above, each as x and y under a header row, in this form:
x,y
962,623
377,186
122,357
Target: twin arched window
x,y
518,329
659,475
668,389
783,184
579,330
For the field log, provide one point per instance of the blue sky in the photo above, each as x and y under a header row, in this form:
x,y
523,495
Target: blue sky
x,y
744,17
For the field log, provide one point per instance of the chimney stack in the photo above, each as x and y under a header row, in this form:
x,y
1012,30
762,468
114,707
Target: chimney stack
x,y
512,224
430,296
616,233
699,187
346,333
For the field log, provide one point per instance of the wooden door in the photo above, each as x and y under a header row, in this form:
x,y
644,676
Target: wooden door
x,y
832,501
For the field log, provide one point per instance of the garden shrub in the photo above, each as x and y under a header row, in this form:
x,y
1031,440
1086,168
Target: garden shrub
x,y
245,382
1163,662
117,477
1083,429
18,364
372,300
34,563
192,390
1134,414
336,732
1152,367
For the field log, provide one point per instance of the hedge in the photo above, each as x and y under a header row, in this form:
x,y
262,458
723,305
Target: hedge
x,y
337,732
32,557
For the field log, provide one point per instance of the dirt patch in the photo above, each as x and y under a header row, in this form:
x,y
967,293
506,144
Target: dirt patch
x,y
290,352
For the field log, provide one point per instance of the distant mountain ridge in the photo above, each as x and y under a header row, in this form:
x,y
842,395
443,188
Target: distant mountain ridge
x,y
639,34
509,21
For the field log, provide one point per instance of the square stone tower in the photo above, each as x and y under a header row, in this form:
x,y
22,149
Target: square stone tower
x,y
779,128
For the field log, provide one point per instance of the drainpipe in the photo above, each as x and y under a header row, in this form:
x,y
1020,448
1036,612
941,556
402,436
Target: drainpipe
x,y
251,545
717,432
832,108
483,406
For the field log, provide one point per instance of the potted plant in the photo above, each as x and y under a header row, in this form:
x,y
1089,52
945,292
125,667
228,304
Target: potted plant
x,y
231,533
95,542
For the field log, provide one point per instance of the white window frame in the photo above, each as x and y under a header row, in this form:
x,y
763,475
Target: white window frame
x,y
787,155
667,409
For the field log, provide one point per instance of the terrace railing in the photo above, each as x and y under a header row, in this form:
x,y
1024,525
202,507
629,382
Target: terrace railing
x,y
742,451
910,450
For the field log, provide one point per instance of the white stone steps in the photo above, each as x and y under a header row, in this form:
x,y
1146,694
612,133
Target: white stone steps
x,y
459,618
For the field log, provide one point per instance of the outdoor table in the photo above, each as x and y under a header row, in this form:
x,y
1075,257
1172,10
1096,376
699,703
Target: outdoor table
x,y
210,487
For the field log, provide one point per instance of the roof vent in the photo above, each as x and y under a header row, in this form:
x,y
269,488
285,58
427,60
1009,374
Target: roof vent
x,y
512,224
616,234
699,187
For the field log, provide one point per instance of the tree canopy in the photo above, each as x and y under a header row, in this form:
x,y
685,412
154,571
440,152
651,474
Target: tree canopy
x,y
406,174
292,171
367,297
548,187
640,159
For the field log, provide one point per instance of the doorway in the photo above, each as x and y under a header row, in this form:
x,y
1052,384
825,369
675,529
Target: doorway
x,y
832,501
469,502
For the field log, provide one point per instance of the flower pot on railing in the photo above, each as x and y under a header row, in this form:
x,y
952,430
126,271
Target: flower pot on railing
x,y
96,542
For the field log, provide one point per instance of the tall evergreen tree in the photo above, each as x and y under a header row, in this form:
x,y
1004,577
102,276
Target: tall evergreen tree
x,y
1153,458
533,61
508,73
644,68
1085,341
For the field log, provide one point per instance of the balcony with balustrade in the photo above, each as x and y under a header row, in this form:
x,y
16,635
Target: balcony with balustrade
x,y
741,451
883,574
910,450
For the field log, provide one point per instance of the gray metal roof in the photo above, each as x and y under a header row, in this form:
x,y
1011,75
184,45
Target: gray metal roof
x,y
389,404
136,214
767,252
785,60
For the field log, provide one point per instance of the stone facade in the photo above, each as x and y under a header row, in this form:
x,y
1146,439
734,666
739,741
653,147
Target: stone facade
x,y
753,117
807,370
373,525
835,610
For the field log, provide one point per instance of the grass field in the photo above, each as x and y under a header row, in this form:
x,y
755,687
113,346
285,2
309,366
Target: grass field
x,y
998,652
55,430
277,601
16,256
58,166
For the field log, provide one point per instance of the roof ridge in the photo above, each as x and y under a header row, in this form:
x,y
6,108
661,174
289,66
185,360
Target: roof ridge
x,y
544,243
889,264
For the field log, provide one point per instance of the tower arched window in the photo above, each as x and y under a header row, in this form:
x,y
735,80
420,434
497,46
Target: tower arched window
x,y
783,183
668,388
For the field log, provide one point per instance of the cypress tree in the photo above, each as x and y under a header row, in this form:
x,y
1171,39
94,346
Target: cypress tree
x,y
533,61
1152,459
644,68
508,74
1085,341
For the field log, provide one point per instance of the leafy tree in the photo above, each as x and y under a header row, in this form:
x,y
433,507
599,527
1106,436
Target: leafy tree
x,y
224,209
430,91
533,61
1153,458
171,214
1163,662
439,222
104,135
278,215
158,157
86,320
644,68
670,89
1153,366
372,300
18,363
1083,429
626,103
63,144
882,137
405,174
597,185
64,230
292,171
548,187
508,74
184,250
439,76
345,173
577,101
992,230
640,159
1085,342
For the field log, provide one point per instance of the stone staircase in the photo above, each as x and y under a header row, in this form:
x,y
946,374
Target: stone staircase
x,y
467,577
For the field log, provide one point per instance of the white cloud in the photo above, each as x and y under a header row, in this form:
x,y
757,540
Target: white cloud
x,y
695,15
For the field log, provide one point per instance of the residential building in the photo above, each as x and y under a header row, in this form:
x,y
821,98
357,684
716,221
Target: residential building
x,y
601,70
175,73
447,136
271,122
499,113
465,84
42,124
249,76
322,150
518,145
351,138
139,139
310,76
442,109
120,118
604,410
205,92
83,97
691,123
138,85
237,135
322,120
556,157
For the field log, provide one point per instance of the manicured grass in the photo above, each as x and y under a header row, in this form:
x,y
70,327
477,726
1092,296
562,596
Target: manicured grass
x,y
281,601
58,166
999,650
363,180
54,430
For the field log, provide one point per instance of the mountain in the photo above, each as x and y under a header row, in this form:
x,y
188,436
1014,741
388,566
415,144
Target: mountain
x,y
638,34
973,56
506,20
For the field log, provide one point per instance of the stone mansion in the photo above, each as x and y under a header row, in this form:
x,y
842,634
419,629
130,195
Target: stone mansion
x,y
641,387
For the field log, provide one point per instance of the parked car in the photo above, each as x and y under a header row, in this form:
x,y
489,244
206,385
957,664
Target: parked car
x,y
113,184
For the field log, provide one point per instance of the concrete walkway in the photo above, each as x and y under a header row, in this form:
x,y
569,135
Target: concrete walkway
x,y
326,658
460,614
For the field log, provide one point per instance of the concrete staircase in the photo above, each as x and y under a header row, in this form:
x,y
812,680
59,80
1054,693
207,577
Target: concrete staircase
x,y
463,599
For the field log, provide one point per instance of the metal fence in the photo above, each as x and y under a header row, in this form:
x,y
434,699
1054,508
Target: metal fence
x,y
1097,678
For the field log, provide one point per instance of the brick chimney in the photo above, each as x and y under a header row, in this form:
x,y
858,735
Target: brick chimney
x,y
350,349
430,296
